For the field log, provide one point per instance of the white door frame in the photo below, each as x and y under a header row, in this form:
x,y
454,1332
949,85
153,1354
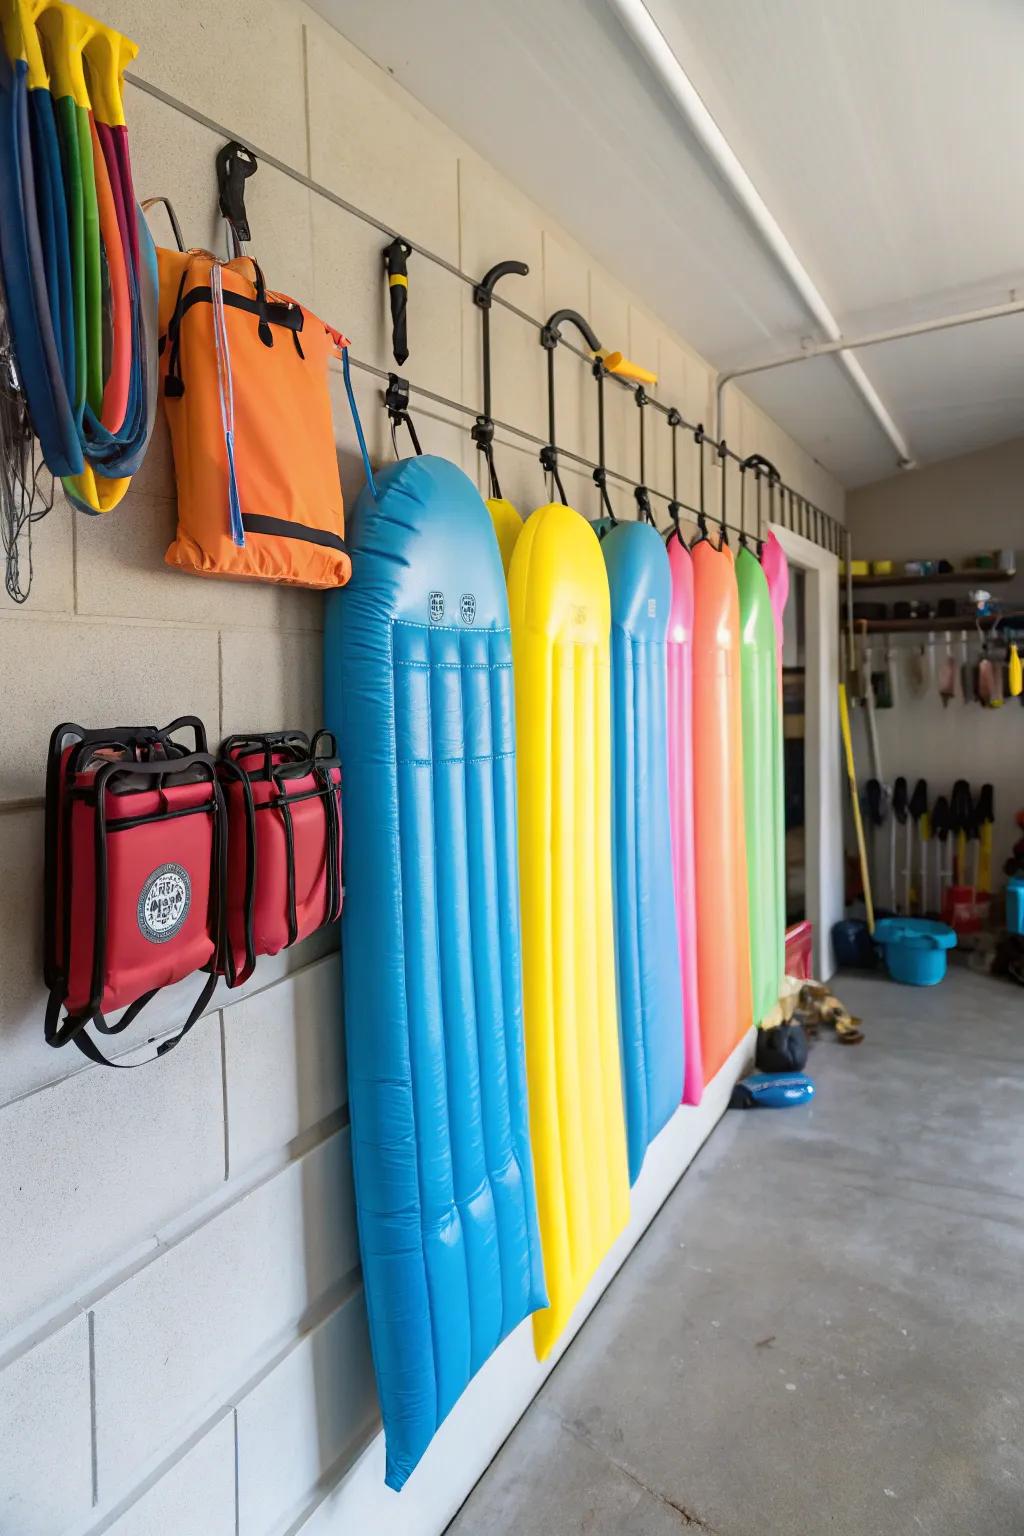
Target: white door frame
x,y
822,777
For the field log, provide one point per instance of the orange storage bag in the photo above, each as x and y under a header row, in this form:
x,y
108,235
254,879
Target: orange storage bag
x,y
245,390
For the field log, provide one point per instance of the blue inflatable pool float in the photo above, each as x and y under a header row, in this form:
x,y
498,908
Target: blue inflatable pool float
x,y
646,934
772,1090
418,682
915,949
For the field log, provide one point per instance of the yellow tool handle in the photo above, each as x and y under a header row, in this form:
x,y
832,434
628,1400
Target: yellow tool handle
x,y
985,858
851,773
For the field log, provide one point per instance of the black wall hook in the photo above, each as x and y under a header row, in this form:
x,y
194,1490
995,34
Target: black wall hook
x,y
396,403
235,164
644,511
551,332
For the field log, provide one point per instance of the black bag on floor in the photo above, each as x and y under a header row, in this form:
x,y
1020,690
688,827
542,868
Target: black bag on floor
x,y
781,1049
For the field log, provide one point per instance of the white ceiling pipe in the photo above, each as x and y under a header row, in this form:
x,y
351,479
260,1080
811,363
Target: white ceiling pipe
x,y
651,41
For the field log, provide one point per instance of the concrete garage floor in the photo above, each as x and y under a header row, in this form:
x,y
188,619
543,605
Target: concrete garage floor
x,y
823,1330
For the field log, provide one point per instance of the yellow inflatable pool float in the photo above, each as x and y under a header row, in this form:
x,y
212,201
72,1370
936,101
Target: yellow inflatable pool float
x,y
508,525
561,618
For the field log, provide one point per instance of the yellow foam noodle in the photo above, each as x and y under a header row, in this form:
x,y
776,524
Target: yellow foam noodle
x,y
98,492
21,42
508,525
72,38
561,619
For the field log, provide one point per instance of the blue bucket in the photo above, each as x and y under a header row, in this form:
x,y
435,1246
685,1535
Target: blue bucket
x,y
1015,905
915,949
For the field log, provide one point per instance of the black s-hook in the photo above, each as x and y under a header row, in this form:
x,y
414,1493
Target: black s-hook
x,y
550,336
702,519
644,511
675,421
601,473
483,430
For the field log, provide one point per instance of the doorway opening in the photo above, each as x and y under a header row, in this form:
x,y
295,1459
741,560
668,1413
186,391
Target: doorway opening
x,y
794,736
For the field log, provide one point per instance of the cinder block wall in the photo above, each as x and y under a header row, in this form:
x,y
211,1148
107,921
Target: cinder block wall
x,y
182,1336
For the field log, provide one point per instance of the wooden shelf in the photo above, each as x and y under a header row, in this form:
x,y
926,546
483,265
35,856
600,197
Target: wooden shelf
x,y
1013,621
938,579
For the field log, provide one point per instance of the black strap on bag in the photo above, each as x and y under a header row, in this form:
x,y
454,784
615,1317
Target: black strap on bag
x,y
148,752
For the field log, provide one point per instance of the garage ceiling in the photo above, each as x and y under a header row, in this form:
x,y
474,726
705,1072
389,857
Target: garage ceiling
x,y
885,136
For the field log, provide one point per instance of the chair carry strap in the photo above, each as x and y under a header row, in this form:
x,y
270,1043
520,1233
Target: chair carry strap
x,y
77,1029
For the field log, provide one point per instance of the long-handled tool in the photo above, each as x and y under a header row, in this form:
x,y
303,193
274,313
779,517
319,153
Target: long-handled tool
x,y
986,814
918,808
874,802
851,774
961,809
940,830
948,674
866,686
899,814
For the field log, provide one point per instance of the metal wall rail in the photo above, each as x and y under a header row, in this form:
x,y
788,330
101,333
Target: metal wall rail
x,y
776,503
803,516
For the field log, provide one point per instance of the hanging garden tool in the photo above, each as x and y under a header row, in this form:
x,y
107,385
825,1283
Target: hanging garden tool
x,y
986,815
874,803
984,677
851,774
234,165
919,668
507,521
949,675
396,258
77,262
924,828
918,809
550,336
867,693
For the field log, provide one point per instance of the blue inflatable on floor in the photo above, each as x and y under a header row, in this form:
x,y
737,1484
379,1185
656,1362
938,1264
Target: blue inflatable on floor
x,y
646,936
418,682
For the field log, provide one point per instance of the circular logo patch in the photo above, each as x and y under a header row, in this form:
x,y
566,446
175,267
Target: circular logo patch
x,y
467,607
164,903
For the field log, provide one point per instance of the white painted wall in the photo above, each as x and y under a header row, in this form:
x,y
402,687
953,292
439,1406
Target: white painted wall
x,y
182,1338
961,507
823,831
